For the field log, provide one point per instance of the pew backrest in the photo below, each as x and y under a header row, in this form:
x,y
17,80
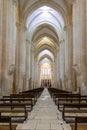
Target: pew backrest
x,y
80,120
6,119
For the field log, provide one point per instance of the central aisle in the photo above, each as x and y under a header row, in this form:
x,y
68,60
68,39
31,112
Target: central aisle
x,y
44,116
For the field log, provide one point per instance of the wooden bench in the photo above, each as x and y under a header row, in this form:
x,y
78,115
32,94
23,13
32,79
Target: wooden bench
x,y
52,91
6,119
71,109
65,95
61,101
36,92
78,120
30,95
16,96
22,96
29,101
11,108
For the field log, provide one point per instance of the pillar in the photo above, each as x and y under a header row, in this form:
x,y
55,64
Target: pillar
x,y
68,56
79,40
1,22
22,54
8,45
62,64
27,63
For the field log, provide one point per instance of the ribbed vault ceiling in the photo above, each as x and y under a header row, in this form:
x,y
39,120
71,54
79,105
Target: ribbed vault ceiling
x,y
45,25
45,15
46,52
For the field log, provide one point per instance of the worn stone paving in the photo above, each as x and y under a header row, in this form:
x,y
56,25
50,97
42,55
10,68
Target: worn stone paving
x,y
44,116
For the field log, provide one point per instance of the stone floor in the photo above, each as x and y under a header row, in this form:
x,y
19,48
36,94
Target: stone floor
x,y
44,116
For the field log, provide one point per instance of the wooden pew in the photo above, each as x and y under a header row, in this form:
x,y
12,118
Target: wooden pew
x,y
84,96
17,101
53,91
36,92
33,97
29,95
78,120
29,101
71,108
18,96
6,119
61,101
11,108
65,95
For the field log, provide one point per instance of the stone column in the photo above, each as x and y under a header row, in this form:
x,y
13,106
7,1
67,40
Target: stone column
x,y
79,39
39,70
21,54
1,22
55,77
58,69
17,50
17,57
8,45
36,74
33,67
62,63
15,19
29,63
68,55
54,73
28,50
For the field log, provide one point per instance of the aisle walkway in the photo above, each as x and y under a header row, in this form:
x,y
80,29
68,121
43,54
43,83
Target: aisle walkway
x,y
44,116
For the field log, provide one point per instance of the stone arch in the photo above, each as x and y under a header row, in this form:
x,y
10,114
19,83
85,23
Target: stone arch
x,y
48,27
46,47
41,3
47,57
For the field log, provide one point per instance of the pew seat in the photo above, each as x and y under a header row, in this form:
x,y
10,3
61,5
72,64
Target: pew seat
x,y
4,119
28,101
17,112
72,110
61,101
80,120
